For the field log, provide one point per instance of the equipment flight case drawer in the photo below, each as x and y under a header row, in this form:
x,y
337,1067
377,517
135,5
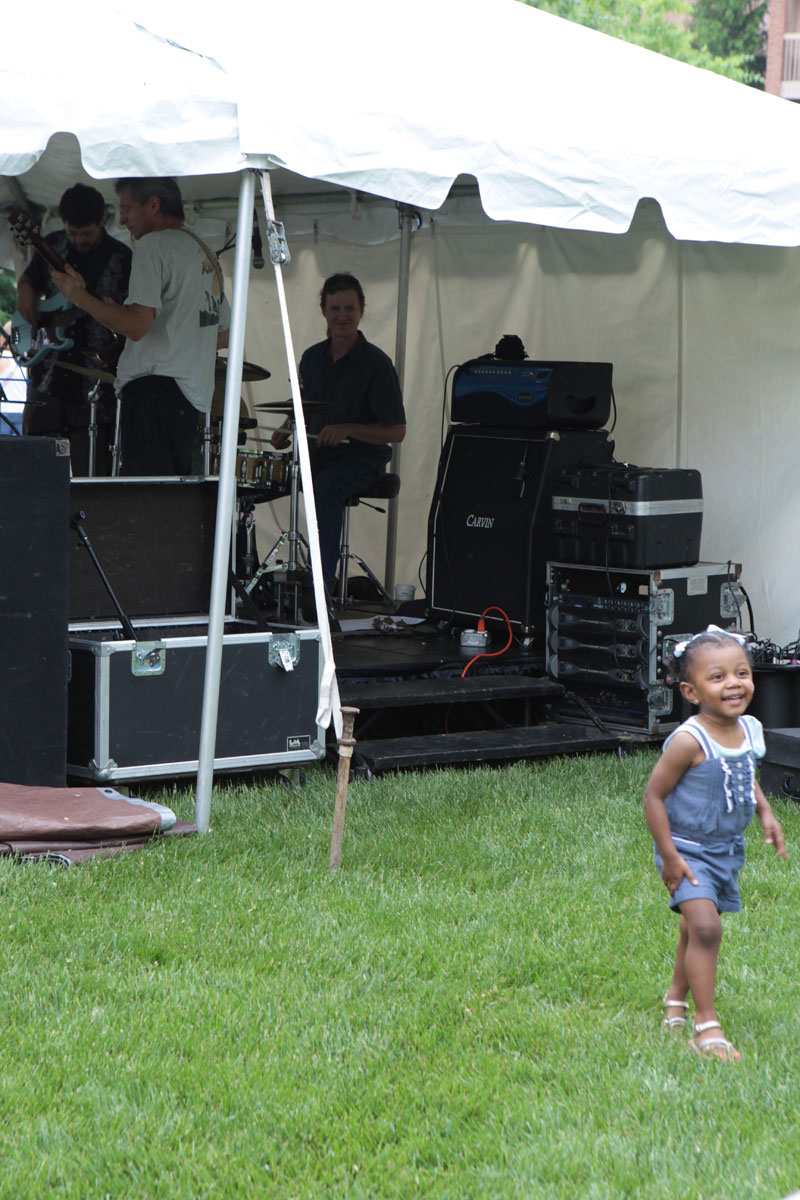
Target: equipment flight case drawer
x,y
135,691
626,516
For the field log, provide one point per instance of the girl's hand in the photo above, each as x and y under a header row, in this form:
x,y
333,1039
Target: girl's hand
x,y
673,871
773,834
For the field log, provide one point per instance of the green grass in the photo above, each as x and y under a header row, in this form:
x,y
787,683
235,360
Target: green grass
x,y
468,1008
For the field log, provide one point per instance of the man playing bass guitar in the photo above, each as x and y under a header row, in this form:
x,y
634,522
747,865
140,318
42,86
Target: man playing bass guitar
x,y
105,264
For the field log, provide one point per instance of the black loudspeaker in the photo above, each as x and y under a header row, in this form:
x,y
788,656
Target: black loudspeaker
x,y
532,395
34,527
153,538
490,527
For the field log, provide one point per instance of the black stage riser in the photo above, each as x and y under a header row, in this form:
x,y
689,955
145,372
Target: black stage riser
x,y
34,522
490,523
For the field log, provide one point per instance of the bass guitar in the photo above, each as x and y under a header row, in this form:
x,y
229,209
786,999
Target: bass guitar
x,y
30,344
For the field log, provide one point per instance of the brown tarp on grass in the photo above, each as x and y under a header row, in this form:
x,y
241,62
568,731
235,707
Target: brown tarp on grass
x,y
74,823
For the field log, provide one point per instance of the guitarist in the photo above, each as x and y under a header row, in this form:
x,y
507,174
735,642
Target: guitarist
x,y
105,264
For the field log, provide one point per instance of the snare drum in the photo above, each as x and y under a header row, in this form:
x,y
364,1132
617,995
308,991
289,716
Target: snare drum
x,y
262,469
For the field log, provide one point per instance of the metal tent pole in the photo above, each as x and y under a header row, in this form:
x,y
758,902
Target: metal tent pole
x,y
227,473
406,216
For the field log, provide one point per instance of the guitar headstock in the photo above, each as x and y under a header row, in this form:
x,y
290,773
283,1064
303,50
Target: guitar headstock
x,y
23,226
29,233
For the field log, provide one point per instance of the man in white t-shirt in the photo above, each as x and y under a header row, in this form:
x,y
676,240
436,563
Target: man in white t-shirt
x,y
174,319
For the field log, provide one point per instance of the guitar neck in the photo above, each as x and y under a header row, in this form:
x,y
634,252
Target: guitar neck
x,y
29,233
47,252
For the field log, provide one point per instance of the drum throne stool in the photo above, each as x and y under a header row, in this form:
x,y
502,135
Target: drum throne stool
x,y
386,488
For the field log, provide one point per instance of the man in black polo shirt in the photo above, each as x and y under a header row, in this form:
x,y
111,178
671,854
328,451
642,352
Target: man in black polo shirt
x,y
105,264
354,410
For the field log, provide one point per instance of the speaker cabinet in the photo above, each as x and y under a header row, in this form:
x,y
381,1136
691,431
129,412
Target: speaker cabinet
x,y
490,527
34,527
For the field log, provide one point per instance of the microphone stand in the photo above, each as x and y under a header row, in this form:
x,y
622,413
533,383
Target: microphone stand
x,y
75,523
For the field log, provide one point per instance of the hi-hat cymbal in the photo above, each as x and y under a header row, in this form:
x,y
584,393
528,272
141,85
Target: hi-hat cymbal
x,y
251,372
92,372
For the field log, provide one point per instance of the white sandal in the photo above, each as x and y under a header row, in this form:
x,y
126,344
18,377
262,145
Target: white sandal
x,y
707,1049
671,1023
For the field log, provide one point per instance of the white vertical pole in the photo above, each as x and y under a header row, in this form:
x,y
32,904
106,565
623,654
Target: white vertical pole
x,y
227,472
401,335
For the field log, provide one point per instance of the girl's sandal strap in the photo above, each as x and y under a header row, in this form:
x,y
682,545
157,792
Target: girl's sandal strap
x,y
706,1049
674,1022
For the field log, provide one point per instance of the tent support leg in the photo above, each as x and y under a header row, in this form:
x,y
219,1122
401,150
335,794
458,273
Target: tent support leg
x,y
225,499
406,216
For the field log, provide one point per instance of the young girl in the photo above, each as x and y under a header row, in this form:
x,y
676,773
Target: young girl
x,y
698,801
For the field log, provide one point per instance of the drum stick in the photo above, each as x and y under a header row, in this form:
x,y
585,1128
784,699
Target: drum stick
x,y
280,429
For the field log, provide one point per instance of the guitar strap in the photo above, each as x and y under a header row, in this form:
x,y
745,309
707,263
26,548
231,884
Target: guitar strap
x,y
212,258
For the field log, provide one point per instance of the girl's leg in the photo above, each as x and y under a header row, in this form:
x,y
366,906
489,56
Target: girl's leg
x,y
679,987
700,953
699,968
675,999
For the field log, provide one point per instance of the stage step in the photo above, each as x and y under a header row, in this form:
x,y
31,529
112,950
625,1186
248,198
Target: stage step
x,y
407,693
493,745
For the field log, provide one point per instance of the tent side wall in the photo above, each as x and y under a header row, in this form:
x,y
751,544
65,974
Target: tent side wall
x,y
701,336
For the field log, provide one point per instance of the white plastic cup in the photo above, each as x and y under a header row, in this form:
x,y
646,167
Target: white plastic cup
x,y
404,592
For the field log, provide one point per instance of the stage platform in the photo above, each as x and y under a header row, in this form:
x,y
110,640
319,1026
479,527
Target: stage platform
x,y
417,709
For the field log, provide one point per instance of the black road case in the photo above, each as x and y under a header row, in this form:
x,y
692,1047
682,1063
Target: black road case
x,y
625,516
134,704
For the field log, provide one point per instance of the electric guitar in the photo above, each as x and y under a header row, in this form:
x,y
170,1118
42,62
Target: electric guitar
x,y
30,344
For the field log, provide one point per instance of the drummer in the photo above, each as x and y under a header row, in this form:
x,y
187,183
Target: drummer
x,y
354,412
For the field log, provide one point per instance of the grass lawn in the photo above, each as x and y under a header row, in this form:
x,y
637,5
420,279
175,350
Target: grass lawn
x,y
469,1008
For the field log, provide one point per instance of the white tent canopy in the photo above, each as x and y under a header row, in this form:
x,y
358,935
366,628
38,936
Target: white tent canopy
x,y
566,132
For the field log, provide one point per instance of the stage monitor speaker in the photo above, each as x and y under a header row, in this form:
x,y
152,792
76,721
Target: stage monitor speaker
x,y
532,395
34,529
491,522
154,539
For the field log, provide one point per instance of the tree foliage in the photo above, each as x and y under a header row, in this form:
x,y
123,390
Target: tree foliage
x,y
733,28
667,27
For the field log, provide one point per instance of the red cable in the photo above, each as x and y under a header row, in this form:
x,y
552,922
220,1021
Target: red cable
x,y
481,627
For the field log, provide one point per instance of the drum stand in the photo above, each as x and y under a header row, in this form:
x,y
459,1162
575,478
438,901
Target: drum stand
x,y
298,563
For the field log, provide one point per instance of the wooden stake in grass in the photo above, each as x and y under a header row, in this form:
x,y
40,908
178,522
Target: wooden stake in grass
x,y
345,743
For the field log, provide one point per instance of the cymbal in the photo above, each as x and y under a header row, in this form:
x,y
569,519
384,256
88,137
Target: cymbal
x,y
92,372
251,372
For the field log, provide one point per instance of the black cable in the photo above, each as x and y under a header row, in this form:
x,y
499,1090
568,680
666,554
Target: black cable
x,y
614,408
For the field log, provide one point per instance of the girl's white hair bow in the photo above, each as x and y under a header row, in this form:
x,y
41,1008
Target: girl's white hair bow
x,y
680,647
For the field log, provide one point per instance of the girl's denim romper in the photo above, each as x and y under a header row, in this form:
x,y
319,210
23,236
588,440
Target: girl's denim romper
x,y
709,810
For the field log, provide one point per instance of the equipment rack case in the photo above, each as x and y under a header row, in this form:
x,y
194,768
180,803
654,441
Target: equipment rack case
x,y
134,705
625,516
610,631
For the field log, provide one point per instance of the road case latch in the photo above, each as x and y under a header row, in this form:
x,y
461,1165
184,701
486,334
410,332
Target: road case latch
x,y
148,658
284,651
